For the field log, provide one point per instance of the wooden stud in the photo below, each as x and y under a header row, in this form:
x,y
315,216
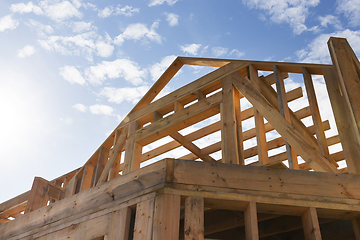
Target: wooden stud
x,y
178,106
302,143
311,224
133,150
229,139
114,155
259,122
284,110
319,130
239,133
200,95
156,116
102,160
71,187
166,217
345,122
87,177
251,222
194,218
191,147
144,220
119,225
38,195
343,59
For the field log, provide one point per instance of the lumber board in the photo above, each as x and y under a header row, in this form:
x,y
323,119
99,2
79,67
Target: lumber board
x,y
284,110
266,179
315,112
14,201
345,122
166,217
194,218
179,120
262,150
311,224
102,160
260,65
251,222
344,61
119,227
38,195
133,150
216,126
105,193
87,178
144,220
114,154
229,127
303,144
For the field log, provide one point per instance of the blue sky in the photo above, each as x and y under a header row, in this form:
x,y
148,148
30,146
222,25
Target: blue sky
x,y
71,70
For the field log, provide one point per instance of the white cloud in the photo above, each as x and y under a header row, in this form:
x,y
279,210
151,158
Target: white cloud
x,y
27,51
41,28
190,48
120,68
80,107
127,11
106,12
60,11
101,109
330,20
172,18
26,8
292,12
72,75
104,49
237,53
82,26
8,22
139,31
351,9
158,68
219,51
159,2
317,51
72,45
118,95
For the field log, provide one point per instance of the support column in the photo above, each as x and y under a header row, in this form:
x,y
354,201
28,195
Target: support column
x,y
194,218
311,224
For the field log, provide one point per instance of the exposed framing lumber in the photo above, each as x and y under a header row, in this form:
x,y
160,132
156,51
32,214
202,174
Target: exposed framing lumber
x,y
251,222
194,218
311,224
231,152
302,144
119,225
133,150
166,217
259,122
144,220
284,110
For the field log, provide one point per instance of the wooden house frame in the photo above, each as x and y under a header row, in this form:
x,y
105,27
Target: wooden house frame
x,y
112,197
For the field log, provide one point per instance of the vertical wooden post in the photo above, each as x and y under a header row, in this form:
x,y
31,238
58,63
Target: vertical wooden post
x,y
144,220
87,177
343,86
71,187
166,217
102,160
284,110
315,113
259,121
346,63
251,222
229,139
311,224
119,225
115,169
194,218
133,150
38,195
356,227
345,122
